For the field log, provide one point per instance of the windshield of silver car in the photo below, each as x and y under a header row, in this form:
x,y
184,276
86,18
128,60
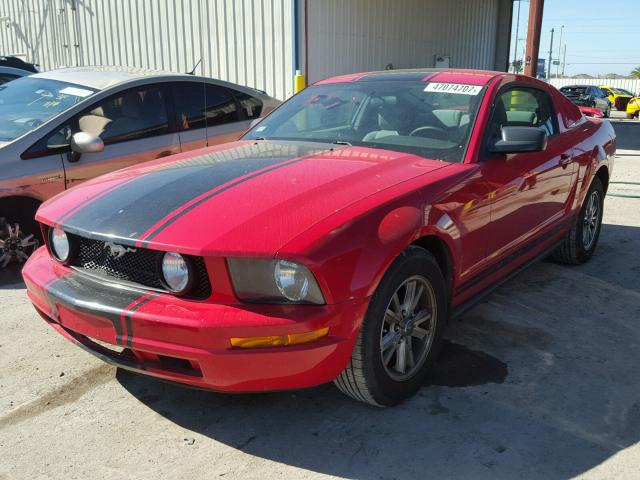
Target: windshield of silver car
x,y
28,102
429,119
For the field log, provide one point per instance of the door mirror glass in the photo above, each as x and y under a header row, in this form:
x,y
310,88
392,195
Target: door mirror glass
x,y
83,142
520,139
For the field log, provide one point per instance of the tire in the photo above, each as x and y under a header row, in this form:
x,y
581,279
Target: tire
x,y
367,378
575,249
607,113
630,116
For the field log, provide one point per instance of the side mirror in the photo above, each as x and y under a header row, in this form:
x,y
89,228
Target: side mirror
x,y
520,139
83,142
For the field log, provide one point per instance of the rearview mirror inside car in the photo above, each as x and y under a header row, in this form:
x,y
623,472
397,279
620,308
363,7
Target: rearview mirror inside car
x,y
83,142
520,139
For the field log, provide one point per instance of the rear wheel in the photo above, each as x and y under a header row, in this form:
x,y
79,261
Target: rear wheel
x,y
581,242
401,334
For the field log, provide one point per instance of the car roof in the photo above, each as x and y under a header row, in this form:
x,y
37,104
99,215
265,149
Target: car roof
x,y
448,75
577,86
100,78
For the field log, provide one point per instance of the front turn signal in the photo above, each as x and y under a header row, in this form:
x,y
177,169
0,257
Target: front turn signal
x,y
279,340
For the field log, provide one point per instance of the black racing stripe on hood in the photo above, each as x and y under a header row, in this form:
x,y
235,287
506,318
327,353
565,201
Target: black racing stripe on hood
x,y
133,208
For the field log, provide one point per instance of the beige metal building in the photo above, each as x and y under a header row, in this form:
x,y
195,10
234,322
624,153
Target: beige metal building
x,y
259,43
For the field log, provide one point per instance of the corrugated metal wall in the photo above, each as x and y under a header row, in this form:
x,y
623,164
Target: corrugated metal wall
x,y
360,35
631,84
242,41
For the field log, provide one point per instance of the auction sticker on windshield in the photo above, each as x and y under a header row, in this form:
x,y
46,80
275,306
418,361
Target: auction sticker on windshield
x,y
77,92
459,88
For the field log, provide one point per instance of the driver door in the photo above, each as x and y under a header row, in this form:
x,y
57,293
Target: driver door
x,y
134,126
529,191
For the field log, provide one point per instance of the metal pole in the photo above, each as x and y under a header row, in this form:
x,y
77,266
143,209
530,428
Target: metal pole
x,y
536,8
564,60
559,50
515,48
550,59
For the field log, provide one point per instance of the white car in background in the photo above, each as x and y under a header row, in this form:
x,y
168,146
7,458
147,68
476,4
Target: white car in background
x,y
61,127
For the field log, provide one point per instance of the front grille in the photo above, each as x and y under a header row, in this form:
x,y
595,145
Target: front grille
x,y
138,266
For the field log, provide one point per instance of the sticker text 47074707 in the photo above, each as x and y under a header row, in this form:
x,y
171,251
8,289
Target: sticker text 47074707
x,y
459,88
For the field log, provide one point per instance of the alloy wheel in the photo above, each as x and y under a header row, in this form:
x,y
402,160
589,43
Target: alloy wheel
x,y
408,328
591,220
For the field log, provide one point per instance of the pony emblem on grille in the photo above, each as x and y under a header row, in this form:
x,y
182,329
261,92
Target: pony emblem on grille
x,y
118,251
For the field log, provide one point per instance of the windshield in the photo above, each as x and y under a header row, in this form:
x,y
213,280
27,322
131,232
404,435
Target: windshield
x,y
432,119
622,91
28,102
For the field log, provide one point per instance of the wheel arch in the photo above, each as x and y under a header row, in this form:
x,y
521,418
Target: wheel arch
x,y
441,252
603,174
18,208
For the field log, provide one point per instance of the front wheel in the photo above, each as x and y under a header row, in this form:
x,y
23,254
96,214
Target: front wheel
x,y
401,334
580,243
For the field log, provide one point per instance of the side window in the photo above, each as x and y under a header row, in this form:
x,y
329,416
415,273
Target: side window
x,y
189,101
221,106
55,143
525,107
250,106
137,113
200,106
605,92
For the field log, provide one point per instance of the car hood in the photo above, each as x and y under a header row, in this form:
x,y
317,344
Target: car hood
x,y
243,198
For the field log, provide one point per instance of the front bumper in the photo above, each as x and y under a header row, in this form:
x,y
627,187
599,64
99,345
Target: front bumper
x,y
187,341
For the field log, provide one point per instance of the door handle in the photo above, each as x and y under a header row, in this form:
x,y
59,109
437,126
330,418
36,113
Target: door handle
x,y
565,160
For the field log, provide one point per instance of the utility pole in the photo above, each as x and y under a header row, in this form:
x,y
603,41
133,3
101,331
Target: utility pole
x,y
564,59
550,59
559,50
515,48
536,8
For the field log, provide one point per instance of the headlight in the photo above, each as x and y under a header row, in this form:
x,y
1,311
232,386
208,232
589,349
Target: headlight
x,y
176,273
273,281
59,242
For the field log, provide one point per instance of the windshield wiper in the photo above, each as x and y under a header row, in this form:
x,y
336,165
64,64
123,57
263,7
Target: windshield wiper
x,y
342,142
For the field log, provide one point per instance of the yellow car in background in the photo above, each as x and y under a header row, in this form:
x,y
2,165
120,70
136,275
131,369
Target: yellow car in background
x,y
619,97
633,107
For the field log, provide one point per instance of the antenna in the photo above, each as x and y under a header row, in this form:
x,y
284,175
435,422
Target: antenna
x,y
193,72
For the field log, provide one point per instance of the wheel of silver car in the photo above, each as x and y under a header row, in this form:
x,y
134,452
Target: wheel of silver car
x,y
407,334
580,243
401,333
591,220
16,245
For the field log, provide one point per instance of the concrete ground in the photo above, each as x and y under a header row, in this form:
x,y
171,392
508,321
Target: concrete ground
x,y
539,381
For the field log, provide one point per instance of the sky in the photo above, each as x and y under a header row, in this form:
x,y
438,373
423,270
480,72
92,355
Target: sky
x,y
602,36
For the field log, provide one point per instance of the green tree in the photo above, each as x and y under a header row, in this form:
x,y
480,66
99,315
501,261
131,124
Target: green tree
x,y
636,73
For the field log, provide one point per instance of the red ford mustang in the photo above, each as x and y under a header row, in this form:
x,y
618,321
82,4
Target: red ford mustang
x,y
333,241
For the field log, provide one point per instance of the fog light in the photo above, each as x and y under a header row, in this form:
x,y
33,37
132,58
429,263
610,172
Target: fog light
x,y
279,340
59,244
176,272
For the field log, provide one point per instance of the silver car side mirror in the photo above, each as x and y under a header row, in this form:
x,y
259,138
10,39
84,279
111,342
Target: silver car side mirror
x,y
83,142
254,122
